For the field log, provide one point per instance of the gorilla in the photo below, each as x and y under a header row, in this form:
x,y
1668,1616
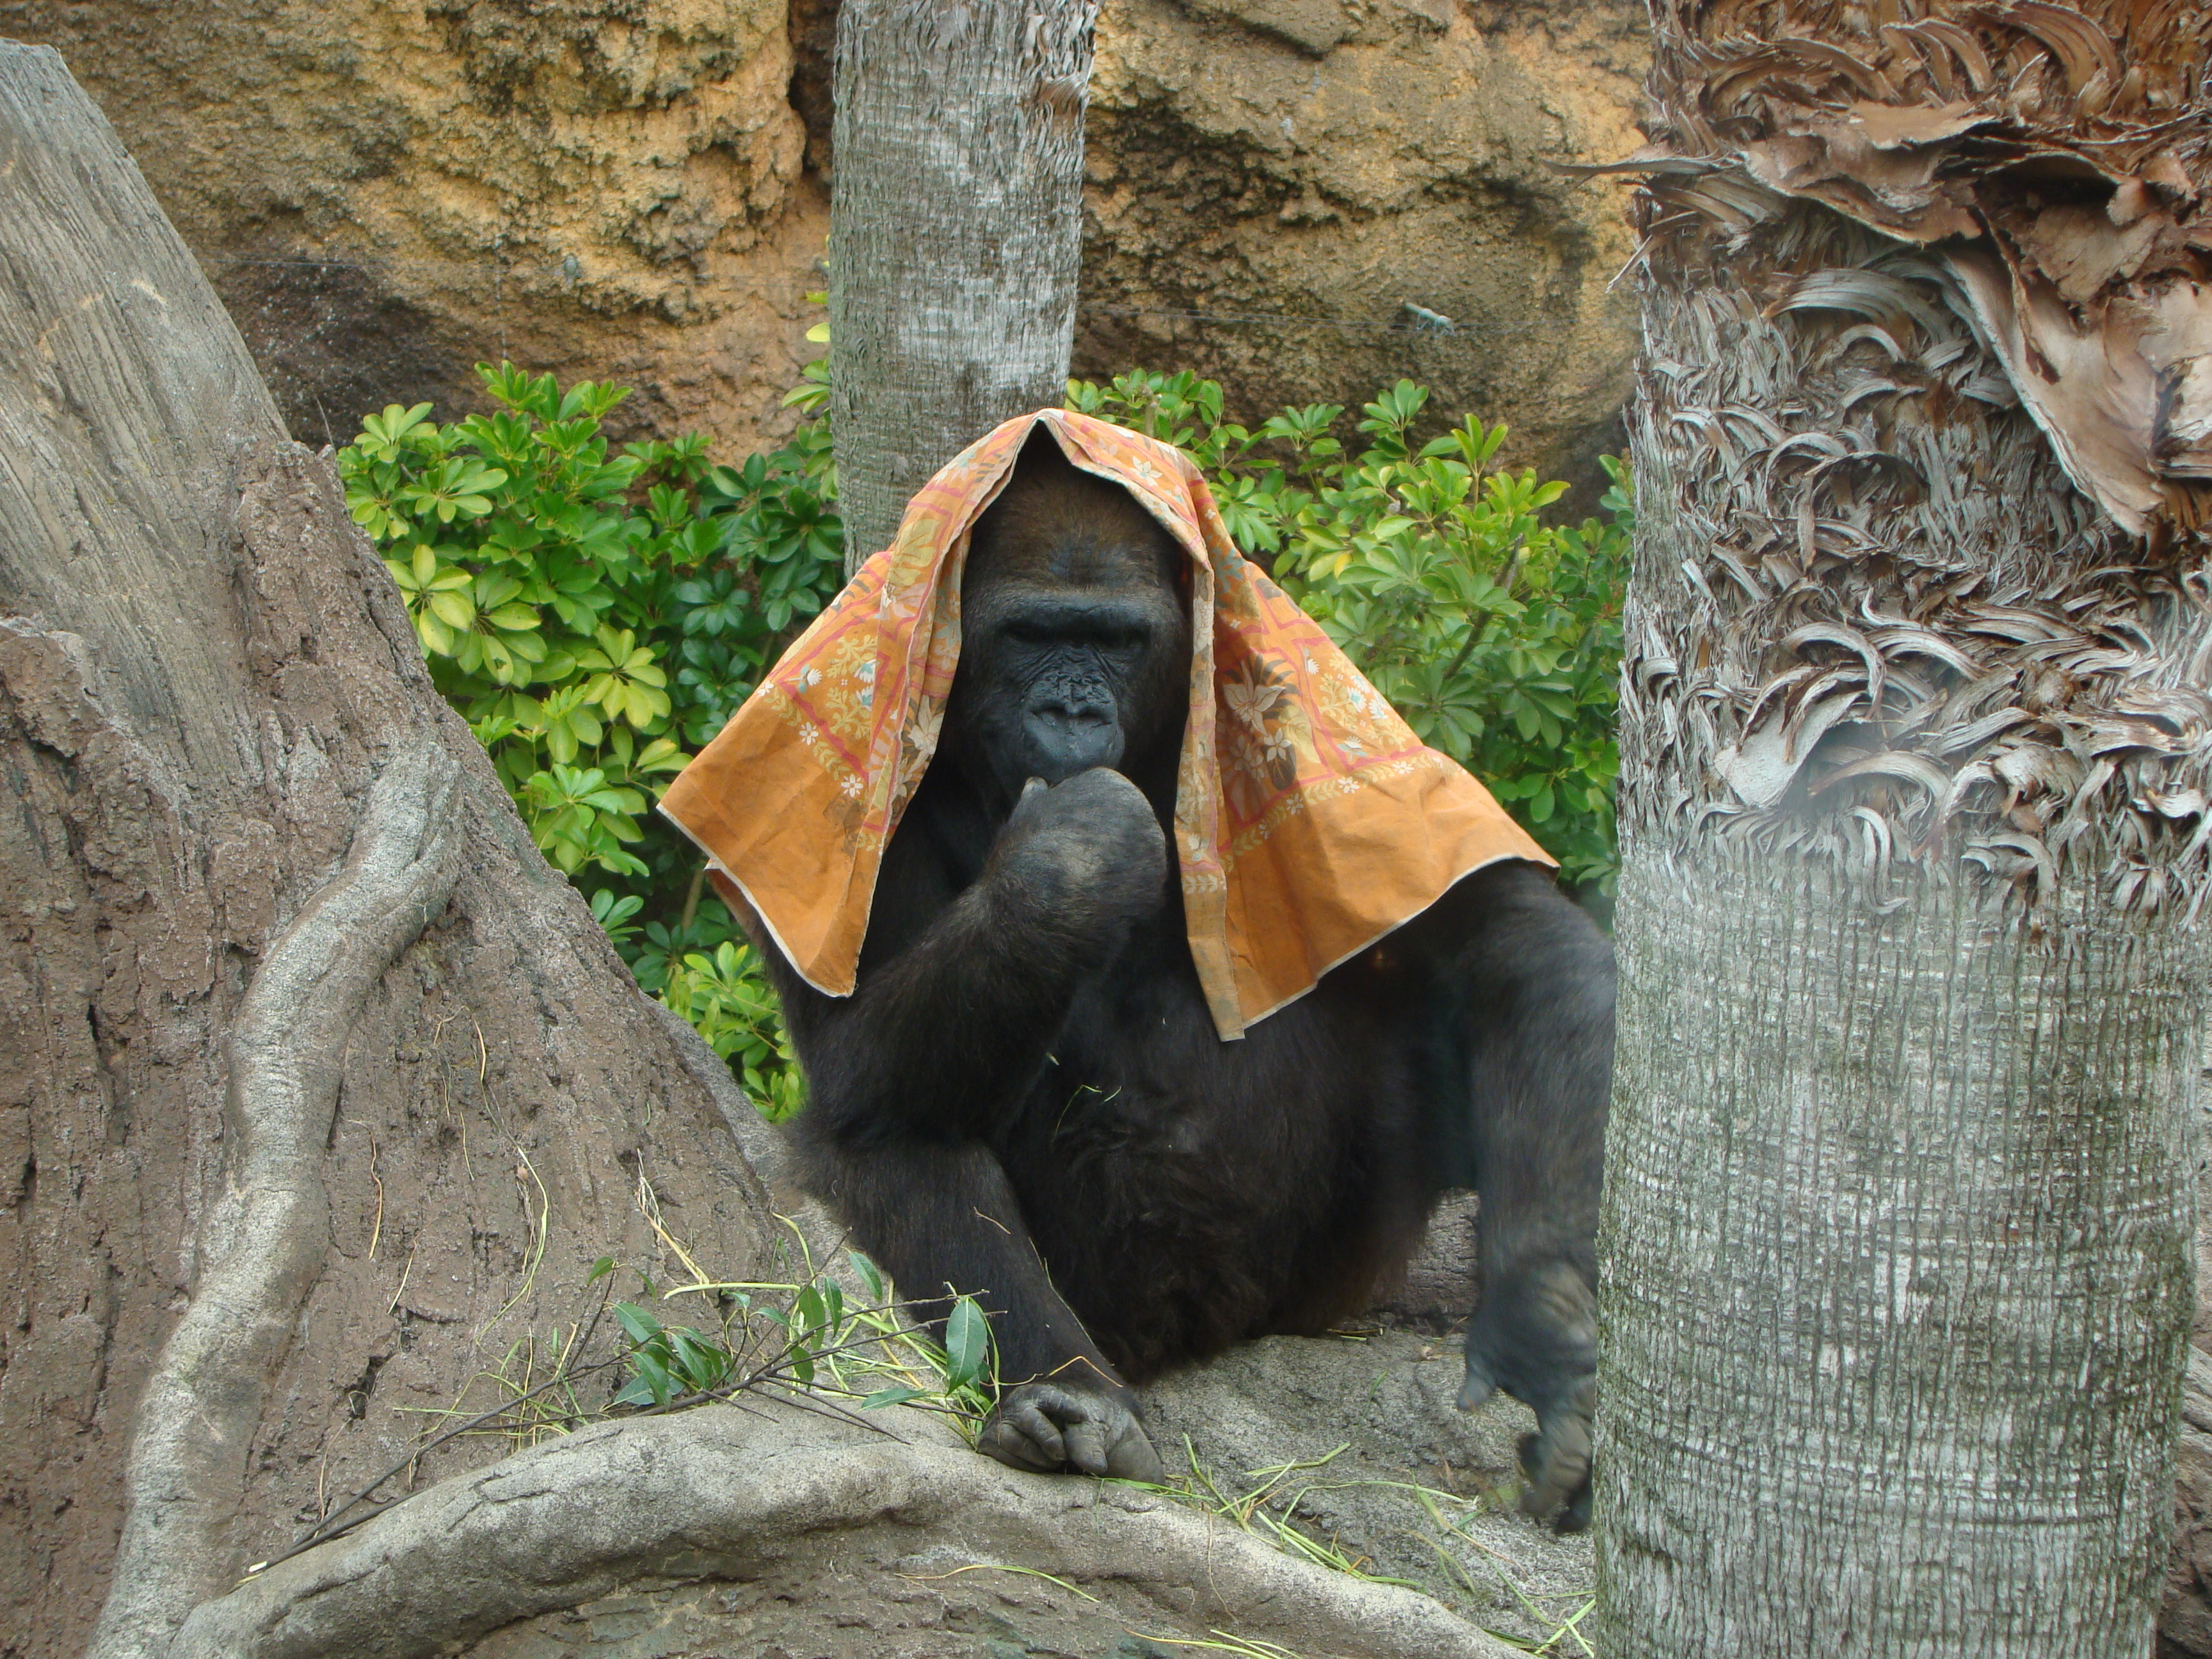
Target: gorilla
x,y
1026,1101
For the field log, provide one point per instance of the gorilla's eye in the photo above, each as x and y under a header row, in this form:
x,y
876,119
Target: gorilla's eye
x,y
1100,634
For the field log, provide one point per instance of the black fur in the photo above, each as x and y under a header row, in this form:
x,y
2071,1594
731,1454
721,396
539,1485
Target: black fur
x,y
1025,1099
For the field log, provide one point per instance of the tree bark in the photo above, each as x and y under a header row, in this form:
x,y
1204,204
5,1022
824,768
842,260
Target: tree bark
x,y
1898,1283
1897,1244
319,1090
954,236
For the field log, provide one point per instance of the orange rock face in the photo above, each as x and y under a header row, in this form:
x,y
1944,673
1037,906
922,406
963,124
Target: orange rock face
x,y
386,193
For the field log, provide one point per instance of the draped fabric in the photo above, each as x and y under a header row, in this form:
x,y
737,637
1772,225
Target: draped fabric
x,y
1309,822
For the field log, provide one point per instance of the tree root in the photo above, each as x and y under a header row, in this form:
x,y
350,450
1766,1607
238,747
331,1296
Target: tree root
x,y
722,1493
262,1242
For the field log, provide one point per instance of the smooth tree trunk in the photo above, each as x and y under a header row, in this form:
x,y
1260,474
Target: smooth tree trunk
x,y
1898,1274
955,234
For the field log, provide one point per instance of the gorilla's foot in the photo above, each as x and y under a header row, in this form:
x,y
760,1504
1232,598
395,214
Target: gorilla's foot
x,y
1054,1425
1556,1461
1535,1336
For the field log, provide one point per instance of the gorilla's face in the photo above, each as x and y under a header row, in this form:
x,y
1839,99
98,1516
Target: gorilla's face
x,y
1075,640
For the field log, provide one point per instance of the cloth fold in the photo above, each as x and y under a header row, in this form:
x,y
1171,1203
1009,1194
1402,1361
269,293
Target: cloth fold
x,y
1309,821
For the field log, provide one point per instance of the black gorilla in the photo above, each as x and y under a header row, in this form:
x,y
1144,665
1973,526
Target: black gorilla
x,y
1025,1098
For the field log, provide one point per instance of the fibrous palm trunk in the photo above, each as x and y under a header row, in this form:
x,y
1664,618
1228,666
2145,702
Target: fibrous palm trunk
x,y
955,233
1914,736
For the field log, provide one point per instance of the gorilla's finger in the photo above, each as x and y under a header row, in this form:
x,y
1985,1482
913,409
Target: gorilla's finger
x,y
1027,805
1085,1439
1020,1433
1478,1385
1576,1517
1036,1420
1557,1462
1003,1442
1132,1457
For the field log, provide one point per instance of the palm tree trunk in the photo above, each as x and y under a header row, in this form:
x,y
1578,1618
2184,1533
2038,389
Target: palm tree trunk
x,y
955,234
1897,1288
1898,1272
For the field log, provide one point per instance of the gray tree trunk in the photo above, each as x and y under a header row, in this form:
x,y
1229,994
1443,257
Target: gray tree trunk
x,y
955,234
1898,1287
1897,1242
1915,732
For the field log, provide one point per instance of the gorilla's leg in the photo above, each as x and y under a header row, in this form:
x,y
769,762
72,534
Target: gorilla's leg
x,y
943,1217
1539,979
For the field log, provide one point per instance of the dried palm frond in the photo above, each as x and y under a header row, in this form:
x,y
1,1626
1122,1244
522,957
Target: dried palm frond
x,y
1924,442
2056,158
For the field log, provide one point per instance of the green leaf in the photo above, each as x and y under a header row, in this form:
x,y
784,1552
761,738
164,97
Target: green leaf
x,y
869,1275
806,1309
892,1397
655,1376
967,1343
700,1364
641,1326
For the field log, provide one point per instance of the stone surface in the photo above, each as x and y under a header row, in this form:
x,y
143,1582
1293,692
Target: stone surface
x,y
1375,1416
385,193
769,1527
1317,166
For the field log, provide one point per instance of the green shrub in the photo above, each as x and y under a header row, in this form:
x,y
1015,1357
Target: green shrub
x,y
727,997
554,587
596,617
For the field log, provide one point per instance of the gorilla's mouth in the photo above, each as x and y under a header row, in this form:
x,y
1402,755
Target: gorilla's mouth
x,y
1063,741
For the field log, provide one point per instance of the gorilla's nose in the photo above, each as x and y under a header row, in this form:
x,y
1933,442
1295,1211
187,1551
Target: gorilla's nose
x,y
1070,737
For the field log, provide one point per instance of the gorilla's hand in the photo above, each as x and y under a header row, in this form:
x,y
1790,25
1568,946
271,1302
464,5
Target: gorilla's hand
x,y
1088,847
1053,1425
1535,1335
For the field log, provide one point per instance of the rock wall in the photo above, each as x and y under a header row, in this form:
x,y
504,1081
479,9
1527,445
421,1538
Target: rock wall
x,y
1275,182
386,192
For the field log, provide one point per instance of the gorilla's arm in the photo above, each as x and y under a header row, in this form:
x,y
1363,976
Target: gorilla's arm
x,y
937,1215
1536,977
951,1024
908,1077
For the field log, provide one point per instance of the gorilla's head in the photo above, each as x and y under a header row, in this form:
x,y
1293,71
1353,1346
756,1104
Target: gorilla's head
x,y
1075,635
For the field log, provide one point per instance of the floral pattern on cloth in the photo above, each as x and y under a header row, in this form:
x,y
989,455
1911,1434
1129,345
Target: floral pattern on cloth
x,y
1309,821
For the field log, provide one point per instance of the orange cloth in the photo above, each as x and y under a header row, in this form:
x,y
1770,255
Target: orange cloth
x,y
1309,821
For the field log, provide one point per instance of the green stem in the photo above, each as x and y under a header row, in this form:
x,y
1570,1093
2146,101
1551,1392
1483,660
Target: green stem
x,y
691,896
